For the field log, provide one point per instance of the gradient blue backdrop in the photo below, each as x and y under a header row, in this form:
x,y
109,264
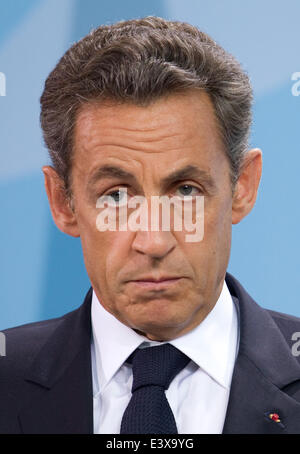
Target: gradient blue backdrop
x,y
42,273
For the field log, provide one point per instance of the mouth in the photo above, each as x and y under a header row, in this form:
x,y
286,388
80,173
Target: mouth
x,y
156,284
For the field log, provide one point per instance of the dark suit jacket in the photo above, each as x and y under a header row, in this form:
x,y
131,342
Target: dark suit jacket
x,y
46,381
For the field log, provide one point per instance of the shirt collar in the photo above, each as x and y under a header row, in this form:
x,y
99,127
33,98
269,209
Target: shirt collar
x,y
212,345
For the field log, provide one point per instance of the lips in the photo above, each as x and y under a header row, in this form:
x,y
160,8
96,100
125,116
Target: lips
x,y
156,279
156,284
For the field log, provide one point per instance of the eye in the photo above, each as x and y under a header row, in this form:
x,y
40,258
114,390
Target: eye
x,y
118,196
188,190
114,198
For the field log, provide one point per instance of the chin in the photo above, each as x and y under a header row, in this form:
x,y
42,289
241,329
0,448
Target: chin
x,y
162,328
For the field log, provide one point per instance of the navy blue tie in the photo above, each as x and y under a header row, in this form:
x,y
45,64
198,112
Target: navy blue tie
x,y
148,411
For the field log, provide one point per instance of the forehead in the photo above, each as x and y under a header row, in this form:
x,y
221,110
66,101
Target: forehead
x,y
179,128
191,109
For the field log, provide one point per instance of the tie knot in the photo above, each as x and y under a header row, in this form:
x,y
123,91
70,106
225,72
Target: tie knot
x,y
156,365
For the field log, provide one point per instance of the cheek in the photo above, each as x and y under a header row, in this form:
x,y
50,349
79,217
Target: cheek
x,y
218,236
215,244
116,247
96,245
105,256
218,218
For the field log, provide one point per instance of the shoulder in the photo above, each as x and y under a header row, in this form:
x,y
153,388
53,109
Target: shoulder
x,y
40,348
285,322
25,342
281,317
289,325
22,343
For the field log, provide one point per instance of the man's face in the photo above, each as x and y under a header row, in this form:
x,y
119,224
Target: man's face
x,y
152,143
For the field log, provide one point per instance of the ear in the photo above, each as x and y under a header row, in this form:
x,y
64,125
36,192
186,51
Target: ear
x,y
62,213
245,193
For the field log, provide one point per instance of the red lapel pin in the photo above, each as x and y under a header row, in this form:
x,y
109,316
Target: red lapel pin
x,y
274,417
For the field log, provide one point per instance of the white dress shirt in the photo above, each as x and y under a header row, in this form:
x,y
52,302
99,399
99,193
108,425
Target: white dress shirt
x,y
198,395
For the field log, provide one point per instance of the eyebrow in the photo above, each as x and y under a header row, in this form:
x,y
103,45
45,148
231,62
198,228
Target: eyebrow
x,y
107,171
190,172
187,172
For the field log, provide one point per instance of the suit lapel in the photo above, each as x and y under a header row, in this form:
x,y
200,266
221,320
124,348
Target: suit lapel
x,y
253,398
58,385
59,381
264,366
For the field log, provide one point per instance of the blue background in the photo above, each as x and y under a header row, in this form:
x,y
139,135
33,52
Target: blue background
x,y
42,274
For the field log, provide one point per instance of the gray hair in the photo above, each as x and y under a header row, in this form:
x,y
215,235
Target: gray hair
x,y
139,61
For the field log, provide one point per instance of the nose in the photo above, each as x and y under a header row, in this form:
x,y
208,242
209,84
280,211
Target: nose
x,y
154,244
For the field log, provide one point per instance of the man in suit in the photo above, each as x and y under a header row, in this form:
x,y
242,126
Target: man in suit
x,y
166,340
